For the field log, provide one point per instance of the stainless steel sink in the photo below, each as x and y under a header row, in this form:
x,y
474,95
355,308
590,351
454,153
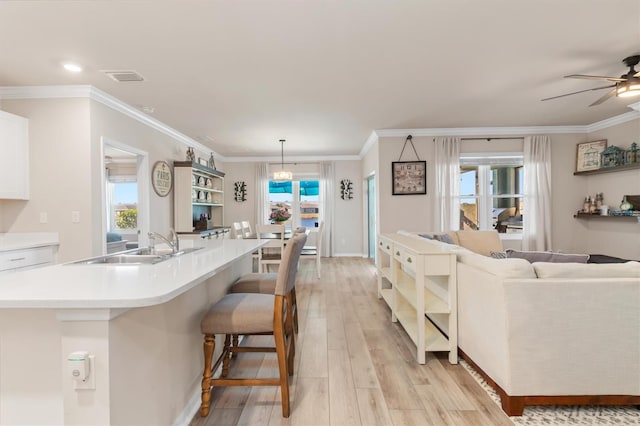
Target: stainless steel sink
x,y
137,256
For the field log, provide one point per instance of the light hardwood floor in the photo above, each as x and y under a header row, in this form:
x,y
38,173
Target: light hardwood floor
x,y
353,366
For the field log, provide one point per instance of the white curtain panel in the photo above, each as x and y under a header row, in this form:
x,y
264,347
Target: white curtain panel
x,y
262,193
447,188
537,193
326,206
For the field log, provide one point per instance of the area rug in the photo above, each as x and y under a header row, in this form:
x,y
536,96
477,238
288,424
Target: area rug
x,y
554,415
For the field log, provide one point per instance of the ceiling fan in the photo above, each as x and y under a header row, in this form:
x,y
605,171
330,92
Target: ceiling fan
x,y
624,86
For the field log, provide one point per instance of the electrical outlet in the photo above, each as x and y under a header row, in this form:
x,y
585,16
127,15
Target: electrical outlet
x,y
43,217
75,217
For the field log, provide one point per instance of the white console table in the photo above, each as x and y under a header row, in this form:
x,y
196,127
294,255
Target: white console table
x,y
417,279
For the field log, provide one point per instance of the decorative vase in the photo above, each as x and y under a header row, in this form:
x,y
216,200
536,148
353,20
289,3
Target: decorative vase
x,y
625,205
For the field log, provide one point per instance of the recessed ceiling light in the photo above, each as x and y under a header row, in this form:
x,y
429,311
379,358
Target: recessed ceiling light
x,y
147,109
72,67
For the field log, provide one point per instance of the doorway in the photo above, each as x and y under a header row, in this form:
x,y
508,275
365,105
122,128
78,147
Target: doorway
x,y
125,200
371,216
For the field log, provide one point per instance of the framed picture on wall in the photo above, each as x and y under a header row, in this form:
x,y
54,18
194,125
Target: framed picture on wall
x,y
409,177
588,155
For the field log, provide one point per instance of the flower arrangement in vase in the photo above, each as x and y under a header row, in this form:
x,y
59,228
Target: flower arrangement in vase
x,y
280,215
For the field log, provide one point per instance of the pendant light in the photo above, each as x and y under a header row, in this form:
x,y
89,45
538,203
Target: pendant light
x,y
282,175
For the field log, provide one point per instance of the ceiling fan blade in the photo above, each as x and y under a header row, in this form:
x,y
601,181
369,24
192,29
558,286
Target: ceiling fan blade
x,y
608,95
580,91
595,77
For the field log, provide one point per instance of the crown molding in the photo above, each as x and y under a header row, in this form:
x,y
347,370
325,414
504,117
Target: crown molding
x,y
371,141
293,159
618,119
90,92
483,131
635,106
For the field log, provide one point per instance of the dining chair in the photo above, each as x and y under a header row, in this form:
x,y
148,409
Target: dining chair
x,y
314,251
236,231
246,228
270,253
253,314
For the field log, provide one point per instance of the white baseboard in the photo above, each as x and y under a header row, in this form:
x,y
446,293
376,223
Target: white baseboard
x,y
348,255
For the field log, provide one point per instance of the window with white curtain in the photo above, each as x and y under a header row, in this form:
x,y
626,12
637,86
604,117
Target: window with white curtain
x,y
491,192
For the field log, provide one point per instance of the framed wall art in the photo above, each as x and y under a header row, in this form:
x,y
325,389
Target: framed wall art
x,y
588,155
409,177
161,178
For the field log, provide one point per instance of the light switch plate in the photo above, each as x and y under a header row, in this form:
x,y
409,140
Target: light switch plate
x,y
75,217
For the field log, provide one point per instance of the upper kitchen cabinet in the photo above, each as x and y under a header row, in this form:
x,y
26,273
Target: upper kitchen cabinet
x,y
14,157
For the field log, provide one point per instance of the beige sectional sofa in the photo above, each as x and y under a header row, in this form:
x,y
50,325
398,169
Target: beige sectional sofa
x,y
548,333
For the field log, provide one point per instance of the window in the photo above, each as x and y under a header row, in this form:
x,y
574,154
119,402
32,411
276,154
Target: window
x,y
122,202
299,198
491,192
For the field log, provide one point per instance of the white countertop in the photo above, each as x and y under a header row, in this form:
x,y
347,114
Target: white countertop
x,y
106,286
19,240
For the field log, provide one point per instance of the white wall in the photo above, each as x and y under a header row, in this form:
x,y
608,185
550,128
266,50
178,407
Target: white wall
x,y
60,174
348,214
622,239
65,170
610,236
409,212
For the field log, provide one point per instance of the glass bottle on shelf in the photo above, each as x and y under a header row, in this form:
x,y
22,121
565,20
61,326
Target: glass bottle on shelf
x,y
625,205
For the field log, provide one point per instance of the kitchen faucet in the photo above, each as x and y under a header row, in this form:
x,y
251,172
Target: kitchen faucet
x,y
174,243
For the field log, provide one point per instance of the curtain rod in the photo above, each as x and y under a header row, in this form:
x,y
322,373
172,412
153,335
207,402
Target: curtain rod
x,y
489,139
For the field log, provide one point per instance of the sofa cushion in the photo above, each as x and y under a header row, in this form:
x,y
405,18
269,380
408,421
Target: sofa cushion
x,y
444,238
506,268
590,270
547,256
482,242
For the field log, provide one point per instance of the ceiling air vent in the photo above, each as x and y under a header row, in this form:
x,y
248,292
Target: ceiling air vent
x,y
124,76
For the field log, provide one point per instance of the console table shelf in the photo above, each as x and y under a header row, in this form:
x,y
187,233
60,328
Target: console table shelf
x,y
422,294
632,166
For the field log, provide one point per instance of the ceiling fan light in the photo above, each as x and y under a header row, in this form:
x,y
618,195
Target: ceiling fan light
x,y
628,89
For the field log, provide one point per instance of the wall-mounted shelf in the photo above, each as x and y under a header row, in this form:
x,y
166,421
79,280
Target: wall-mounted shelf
x,y
608,217
632,166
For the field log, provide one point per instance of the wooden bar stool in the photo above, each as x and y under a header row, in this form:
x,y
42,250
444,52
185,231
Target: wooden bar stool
x,y
265,283
251,314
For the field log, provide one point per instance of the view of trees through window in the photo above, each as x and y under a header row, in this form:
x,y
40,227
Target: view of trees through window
x,y
124,205
299,198
491,197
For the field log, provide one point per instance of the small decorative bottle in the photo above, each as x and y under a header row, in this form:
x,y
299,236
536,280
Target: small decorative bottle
x,y
625,205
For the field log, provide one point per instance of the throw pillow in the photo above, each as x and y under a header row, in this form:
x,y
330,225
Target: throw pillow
x,y
498,254
547,256
443,238
482,242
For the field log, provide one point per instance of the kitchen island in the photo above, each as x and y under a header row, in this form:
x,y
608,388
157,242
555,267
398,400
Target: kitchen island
x,y
141,323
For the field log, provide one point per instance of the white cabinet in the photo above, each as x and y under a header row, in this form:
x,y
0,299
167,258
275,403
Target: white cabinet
x,y
14,157
198,197
417,279
14,260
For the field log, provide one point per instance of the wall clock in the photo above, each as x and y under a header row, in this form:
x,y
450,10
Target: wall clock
x,y
162,178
